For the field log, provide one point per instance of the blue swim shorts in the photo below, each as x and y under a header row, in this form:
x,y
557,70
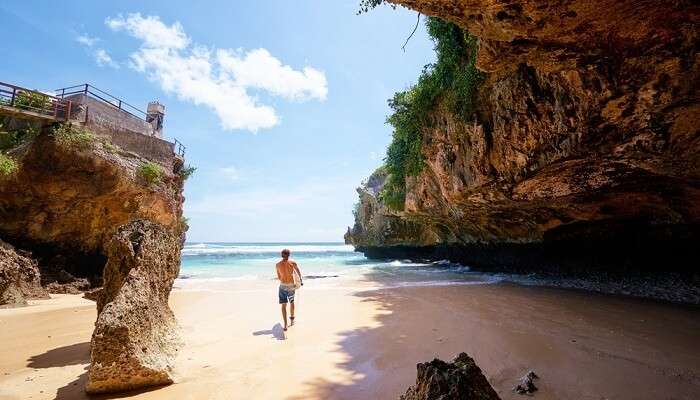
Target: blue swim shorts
x,y
286,294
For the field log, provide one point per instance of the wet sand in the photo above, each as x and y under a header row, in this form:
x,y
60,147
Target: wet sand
x,y
352,343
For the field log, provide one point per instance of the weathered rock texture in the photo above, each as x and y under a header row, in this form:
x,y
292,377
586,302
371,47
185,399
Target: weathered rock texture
x,y
19,277
135,341
83,210
585,147
64,204
459,380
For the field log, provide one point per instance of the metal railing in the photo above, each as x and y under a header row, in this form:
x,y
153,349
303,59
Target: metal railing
x,y
89,90
58,108
23,99
179,148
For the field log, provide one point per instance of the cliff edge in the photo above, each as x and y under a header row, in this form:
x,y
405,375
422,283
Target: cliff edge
x,y
582,152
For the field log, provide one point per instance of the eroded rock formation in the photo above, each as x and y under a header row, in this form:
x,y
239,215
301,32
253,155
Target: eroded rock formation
x,y
64,204
585,146
82,209
19,277
459,380
135,340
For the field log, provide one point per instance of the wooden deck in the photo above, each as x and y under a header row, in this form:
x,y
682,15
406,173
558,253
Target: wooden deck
x,y
19,102
24,114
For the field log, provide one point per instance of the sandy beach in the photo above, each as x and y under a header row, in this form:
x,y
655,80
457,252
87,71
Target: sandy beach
x,y
354,343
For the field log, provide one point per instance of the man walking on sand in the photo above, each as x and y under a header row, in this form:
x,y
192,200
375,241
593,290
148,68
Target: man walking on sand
x,y
286,269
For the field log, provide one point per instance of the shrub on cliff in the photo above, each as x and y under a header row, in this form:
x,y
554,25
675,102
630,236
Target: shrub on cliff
x,y
454,79
151,172
8,166
187,171
11,138
73,137
184,224
366,5
31,101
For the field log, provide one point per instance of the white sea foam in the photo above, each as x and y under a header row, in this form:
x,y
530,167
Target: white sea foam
x,y
210,265
222,249
406,263
223,279
485,281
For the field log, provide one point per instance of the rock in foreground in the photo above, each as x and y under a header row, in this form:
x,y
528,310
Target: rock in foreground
x,y
135,340
459,380
19,278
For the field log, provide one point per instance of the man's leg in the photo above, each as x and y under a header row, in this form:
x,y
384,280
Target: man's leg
x,y
284,315
291,309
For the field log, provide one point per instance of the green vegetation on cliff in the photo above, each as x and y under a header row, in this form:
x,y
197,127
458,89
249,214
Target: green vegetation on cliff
x,y
8,166
452,79
151,172
187,171
73,136
11,138
366,5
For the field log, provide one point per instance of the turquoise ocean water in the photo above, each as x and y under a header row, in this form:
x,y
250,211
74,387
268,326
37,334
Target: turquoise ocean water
x,y
322,264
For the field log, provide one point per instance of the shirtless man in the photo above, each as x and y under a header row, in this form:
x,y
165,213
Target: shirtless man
x,y
285,273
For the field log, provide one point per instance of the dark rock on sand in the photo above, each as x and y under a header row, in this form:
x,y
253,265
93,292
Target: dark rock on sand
x,y
93,294
459,380
135,340
74,286
527,384
19,277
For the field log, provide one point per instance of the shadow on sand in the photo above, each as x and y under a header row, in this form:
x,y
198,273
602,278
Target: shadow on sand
x,y
62,356
509,329
75,354
359,346
277,332
76,391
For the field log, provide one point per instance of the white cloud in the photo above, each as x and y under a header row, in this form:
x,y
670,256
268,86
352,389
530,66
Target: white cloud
x,y
150,29
260,70
230,173
104,59
373,155
219,78
86,40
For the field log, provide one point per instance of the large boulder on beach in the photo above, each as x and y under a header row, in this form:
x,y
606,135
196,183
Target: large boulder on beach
x,y
19,277
135,339
459,380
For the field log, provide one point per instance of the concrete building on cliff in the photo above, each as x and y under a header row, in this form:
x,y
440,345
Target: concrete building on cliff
x,y
127,126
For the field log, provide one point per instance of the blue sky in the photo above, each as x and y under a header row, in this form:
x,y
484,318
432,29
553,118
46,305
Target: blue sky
x,y
281,104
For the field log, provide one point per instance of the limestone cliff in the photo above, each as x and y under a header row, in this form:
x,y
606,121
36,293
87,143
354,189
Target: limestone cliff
x,y
64,203
86,207
584,148
135,339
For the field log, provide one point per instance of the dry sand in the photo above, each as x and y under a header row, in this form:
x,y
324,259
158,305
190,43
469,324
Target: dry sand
x,y
359,344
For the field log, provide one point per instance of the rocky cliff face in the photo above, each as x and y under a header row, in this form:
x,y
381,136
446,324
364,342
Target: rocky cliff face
x,y
586,141
65,203
19,277
85,207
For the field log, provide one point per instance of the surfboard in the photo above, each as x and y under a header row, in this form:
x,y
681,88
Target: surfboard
x,y
297,279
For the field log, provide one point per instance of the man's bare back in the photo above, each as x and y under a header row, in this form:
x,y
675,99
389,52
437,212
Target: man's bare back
x,y
285,271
